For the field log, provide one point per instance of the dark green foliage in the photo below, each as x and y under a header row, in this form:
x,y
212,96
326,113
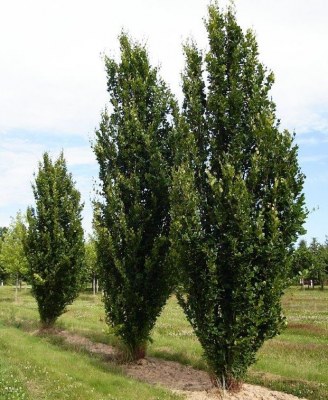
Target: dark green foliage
x,y
237,202
3,231
3,272
54,243
133,148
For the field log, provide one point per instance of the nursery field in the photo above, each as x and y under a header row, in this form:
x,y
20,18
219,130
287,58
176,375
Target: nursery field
x,y
37,366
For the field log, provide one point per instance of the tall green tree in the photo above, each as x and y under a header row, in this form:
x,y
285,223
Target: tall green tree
x,y
54,243
13,262
237,202
133,149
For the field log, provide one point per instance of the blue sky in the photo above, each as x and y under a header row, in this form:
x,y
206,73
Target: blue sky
x,y
53,83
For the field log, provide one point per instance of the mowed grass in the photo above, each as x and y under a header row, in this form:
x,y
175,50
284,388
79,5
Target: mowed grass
x,y
295,362
36,367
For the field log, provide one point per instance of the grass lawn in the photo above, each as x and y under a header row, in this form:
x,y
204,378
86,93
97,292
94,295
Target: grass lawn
x,y
297,360
34,367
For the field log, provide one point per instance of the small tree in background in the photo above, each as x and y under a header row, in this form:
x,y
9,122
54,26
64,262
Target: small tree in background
x,y
302,262
3,273
13,260
133,148
91,264
54,243
325,263
318,272
237,202
310,263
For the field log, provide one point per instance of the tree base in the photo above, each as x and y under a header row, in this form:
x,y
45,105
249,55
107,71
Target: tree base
x,y
47,325
134,354
227,383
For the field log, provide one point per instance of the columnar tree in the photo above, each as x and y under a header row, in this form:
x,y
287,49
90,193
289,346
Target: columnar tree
x,y
133,148
237,202
54,243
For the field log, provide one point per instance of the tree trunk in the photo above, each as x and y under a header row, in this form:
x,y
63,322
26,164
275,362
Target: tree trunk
x,y
47,324
138,352
94,285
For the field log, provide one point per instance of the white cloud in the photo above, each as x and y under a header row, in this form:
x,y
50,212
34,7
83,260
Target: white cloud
x,y
52,76
17,162
80,156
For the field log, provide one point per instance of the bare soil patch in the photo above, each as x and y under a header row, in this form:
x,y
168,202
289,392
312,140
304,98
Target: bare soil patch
x,y
185,380
194,384
108,352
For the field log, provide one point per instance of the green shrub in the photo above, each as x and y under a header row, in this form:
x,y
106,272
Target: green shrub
x,y
133,148
54,243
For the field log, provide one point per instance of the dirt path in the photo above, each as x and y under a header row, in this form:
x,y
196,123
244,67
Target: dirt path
x,y
185,380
